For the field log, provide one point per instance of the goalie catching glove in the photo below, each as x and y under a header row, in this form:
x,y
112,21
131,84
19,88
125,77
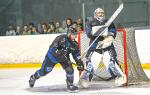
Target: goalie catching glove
x,y
108,40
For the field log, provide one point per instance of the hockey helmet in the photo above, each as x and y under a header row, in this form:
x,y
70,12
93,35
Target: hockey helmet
x,y
98,10
71,30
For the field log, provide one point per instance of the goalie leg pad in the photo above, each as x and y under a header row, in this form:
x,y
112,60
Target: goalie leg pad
x,y
113,63
120,77
84,78
87,71
114,69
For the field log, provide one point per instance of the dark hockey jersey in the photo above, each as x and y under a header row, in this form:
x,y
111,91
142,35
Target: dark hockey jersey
x,y
62,46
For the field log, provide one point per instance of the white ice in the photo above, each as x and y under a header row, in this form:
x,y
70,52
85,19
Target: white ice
x,y
15,82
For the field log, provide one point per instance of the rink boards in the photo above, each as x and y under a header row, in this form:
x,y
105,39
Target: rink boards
x,y
28,51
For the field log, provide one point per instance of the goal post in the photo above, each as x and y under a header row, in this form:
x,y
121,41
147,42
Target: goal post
x,y
123,31
127,56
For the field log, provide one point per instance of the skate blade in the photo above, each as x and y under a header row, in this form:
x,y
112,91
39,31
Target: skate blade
x,y
75,91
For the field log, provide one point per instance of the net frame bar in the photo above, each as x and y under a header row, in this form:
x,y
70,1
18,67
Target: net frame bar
x,y
121,29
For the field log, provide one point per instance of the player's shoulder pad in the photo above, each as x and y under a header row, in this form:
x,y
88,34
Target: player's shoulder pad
x,y
58,39
62,36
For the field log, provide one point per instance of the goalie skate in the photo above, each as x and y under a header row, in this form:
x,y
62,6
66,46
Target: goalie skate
x,y
84,80
83,83
120,81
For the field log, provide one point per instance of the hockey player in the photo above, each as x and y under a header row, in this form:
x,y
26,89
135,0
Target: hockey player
x,y
103,45
59,52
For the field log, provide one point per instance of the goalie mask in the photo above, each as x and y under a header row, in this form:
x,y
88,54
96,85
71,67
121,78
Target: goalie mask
x,y
72,33
99,14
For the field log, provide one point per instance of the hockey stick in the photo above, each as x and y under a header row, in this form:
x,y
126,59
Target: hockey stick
x,y
112,18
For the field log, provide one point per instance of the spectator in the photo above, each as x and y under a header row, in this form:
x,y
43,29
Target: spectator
x,y
79,25
44,28
32,29
64,27
25,30
18,30
39,28
68,22
74,25
58,27
11,31
51,27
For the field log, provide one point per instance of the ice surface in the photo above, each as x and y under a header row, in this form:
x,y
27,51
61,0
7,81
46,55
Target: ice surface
x,y
15,82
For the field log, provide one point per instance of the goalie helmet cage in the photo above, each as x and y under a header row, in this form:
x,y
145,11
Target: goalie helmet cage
x,y
127,55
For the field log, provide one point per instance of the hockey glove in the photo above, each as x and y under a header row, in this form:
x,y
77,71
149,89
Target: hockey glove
x,y
80,66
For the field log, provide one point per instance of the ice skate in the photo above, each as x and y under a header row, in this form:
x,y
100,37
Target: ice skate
x,y
86,77
71,88
83,83
120,81
32,81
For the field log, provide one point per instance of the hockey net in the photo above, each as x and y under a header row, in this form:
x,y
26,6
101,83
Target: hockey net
x,y
127,55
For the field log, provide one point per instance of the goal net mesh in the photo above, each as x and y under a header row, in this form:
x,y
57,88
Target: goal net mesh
x,y
134,70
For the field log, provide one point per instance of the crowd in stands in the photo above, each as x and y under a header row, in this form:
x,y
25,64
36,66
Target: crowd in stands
x,y
44,28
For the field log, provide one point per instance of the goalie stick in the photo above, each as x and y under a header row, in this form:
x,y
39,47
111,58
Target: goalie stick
x,y
112,18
